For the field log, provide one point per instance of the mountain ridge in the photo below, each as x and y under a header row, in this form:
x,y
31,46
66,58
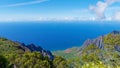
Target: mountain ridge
x,y
35,48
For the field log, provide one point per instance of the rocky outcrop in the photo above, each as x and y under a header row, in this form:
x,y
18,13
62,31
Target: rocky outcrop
x,y
22,46
33,48
117,48
98,41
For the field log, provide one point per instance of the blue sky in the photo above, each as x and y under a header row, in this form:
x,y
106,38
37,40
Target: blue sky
x,y
37,10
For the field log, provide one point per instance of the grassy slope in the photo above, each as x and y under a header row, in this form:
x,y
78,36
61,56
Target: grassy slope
x,y
68,53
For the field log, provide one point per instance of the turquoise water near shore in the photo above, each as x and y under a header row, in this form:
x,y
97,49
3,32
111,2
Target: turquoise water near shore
x,y
56,35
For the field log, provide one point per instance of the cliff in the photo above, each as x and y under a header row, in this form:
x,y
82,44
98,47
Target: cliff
x,y
100,41
35,48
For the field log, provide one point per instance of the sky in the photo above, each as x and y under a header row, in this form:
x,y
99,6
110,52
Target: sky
x,y
56,10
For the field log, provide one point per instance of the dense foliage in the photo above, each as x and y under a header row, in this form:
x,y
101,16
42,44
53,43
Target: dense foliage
x,y
112,39
3,62
11,56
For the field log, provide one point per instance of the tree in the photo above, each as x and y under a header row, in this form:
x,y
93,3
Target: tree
x,y
59,62
3,62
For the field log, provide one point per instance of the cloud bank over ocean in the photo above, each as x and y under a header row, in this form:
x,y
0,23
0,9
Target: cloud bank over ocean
x,y
58,10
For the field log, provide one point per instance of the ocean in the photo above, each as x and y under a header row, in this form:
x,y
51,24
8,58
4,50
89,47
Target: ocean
x,y
56,35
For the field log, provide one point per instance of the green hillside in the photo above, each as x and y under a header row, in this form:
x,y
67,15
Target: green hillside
x,y
106,54
12,55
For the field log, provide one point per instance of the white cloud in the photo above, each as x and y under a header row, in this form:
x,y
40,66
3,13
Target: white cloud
x,y
101,7
117,16
24,3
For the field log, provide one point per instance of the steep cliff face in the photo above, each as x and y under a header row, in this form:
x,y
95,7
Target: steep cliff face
x,y
44,52
98,41
35,48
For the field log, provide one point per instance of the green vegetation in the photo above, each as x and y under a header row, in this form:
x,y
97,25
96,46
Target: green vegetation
x,y
94,57
29,60
3,62
11,55
67,55
112,39
95,65
59,62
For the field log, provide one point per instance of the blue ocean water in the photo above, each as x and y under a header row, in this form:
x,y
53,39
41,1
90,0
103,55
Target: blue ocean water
x,y
56,35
